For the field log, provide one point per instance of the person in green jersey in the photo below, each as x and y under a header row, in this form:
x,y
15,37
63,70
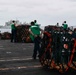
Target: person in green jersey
x,y
65,25
35,35
13,32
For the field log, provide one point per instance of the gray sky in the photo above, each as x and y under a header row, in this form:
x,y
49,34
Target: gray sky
x,y
46,12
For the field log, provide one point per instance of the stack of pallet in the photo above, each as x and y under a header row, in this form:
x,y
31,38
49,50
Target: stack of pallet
x,y
23,33
5,35
53,28
58,49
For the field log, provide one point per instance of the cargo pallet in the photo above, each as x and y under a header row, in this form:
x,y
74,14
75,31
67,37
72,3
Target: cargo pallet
x,y
58,50
23,34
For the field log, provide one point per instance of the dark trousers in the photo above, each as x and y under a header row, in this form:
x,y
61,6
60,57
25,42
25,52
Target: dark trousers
x,y
36,47
13,35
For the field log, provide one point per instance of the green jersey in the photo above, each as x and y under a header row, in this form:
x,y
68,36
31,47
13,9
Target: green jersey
x,y
35,30
65,26
13,26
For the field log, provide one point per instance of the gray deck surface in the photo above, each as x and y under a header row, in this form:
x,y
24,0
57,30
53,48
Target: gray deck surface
x,y
16,59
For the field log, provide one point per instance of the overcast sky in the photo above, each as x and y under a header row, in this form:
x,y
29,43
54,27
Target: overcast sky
x,y
46,12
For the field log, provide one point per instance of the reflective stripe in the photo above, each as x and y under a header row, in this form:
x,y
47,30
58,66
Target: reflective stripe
x,y
33,26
